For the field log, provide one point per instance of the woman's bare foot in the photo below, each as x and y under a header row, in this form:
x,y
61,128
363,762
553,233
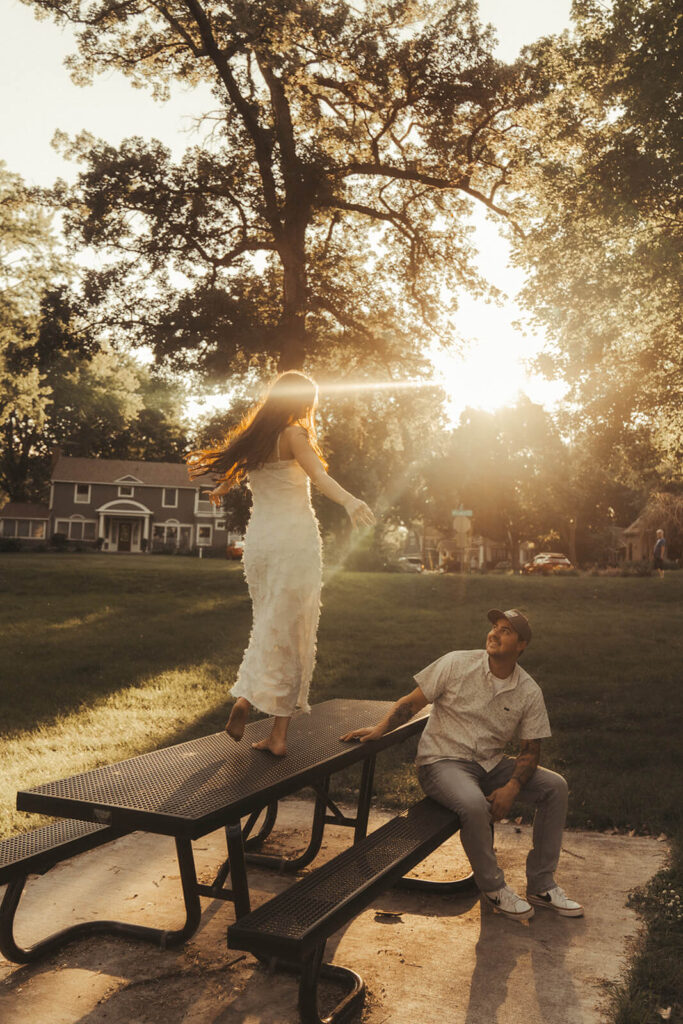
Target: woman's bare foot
x,y
274,746
238,718
277,740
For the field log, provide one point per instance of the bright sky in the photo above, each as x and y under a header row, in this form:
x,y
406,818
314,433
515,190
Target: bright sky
x,y
37,97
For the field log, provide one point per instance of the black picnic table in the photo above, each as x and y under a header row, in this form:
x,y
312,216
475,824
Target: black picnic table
x,y
194,788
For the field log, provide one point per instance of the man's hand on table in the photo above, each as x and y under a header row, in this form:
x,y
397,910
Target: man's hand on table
x,y
363,735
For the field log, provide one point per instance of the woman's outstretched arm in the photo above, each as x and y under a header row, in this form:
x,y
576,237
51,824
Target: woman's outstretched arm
x,y
359,513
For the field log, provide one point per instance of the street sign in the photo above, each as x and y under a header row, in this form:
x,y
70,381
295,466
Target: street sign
x,y
461,512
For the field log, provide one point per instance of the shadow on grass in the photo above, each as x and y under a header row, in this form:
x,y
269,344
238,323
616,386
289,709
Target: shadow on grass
x,y
67,646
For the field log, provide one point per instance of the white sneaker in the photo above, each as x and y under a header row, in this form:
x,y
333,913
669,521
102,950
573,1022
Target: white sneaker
x,y
505,901
556,899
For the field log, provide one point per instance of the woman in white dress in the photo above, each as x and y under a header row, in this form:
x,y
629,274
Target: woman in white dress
x,y
276,450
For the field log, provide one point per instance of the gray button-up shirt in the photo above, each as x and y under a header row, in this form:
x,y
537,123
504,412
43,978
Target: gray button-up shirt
x,y
472,716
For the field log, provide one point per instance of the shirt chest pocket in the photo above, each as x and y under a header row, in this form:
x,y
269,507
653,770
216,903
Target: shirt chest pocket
x,y
505,716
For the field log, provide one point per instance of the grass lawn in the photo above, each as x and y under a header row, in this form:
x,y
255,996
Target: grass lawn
x,y
104,657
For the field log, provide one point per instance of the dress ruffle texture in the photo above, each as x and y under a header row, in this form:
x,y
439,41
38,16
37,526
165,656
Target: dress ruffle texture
x,y
283,568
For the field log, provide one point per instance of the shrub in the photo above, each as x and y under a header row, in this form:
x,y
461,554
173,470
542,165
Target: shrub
x,y
59,541
9,544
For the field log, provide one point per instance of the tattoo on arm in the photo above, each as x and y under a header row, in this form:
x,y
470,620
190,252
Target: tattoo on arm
x,y
527,761
399,715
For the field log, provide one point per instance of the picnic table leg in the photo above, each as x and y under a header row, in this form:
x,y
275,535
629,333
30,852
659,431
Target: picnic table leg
x,y
364,798
254,842
268,860
249,842
238,870
159,936
465,884
312,971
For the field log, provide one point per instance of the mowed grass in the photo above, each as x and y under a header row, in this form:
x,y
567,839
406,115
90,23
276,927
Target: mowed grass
x,y
104,657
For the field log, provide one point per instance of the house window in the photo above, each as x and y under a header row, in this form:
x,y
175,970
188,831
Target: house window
x,y
62,527
88,531
23,527
126,490
76,531
8,527
202,506
82,494
221,524
170,497
204,536
168,534
37,529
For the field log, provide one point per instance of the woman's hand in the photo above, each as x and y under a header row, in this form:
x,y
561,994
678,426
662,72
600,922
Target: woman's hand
x,y
359,513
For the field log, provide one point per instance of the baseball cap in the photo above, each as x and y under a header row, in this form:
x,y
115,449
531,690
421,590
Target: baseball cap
x,y
519,622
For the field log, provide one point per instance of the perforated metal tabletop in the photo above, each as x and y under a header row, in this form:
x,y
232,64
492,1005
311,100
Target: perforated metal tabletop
x,y
194,787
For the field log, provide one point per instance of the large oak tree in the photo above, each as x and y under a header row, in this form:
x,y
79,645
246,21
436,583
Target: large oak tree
x,y
325,219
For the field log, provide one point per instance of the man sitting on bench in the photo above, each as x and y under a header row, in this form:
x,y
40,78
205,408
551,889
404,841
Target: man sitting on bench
x,y
480,700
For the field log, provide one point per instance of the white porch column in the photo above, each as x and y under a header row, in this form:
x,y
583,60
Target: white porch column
x,y
145,527
100,524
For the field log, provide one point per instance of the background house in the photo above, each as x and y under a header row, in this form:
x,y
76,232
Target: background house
x,y
28,522
122,506
638,542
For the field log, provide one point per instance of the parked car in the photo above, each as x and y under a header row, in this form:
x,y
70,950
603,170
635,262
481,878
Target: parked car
x,y
546,563
411,563
234,551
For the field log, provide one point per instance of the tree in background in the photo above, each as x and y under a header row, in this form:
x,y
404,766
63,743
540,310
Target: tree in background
x,y
325,221
498,466
602,159
89,399
60,384
28,264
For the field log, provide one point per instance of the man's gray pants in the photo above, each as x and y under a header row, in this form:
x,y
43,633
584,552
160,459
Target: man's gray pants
x,y
463,786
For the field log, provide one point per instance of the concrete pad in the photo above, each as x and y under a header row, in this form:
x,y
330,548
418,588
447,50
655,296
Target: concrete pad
x,y
426,959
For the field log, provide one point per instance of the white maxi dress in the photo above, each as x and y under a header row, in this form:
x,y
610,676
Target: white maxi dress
x,y
283,568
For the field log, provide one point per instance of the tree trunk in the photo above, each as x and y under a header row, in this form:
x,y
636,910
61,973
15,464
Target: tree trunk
x,y
292,330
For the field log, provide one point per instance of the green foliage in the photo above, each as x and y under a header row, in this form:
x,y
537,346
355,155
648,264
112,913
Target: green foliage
x,y
654,980
601,158
327,214
502,466
60,382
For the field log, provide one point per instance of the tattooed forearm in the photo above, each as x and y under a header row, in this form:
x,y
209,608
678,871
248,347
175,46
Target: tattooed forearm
x,y
527,761
401,713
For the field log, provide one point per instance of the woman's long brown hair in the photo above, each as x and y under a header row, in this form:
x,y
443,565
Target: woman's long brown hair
x,y
292,398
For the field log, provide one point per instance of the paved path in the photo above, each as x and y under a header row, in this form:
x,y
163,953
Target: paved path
x,y
426,959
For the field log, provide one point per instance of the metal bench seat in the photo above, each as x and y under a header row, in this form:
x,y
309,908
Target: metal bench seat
x,y
295,925
34,853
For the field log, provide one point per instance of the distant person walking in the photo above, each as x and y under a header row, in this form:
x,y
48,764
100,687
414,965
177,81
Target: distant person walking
x,y
275,449
659,552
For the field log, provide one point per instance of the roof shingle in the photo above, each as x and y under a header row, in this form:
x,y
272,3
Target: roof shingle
x,y
69,469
